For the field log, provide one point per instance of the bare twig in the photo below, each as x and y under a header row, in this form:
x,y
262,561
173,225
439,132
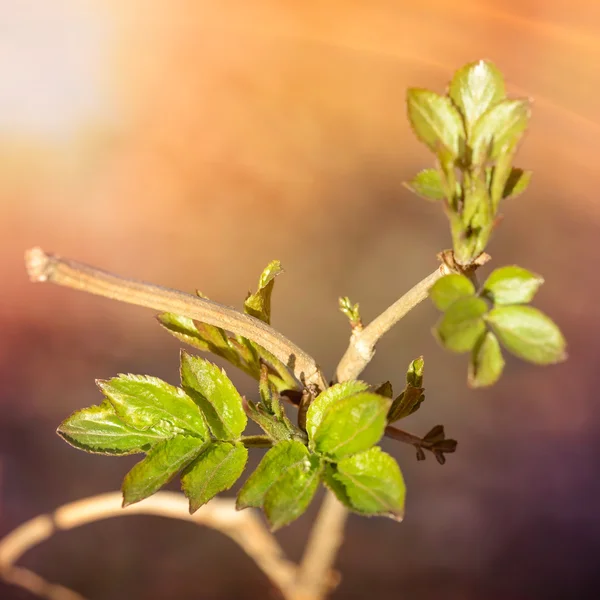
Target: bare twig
x,y
326,536
47,267
243,527
361,350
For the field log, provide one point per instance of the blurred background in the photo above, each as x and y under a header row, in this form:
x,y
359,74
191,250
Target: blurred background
x,y
188,143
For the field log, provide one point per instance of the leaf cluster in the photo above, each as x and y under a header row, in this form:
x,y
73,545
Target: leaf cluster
x,y
497,315
474,131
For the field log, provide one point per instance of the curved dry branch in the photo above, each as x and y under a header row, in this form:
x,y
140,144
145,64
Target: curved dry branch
x,y
243,527
62,271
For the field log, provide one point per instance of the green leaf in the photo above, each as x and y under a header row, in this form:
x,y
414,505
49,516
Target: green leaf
x,y
486,363
293,491
214,471
414,373
428,184
144,402
528,333
214,393
475,88
161,464
279,374
351,425
447,290
99,430
498,130
274,464
373,483
517,183
435,120
462,324
512,285
351,311
412,397
276,428
259,304
332,395
328,477
184,330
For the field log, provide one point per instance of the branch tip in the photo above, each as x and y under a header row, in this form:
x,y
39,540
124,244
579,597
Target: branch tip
x,y
36,263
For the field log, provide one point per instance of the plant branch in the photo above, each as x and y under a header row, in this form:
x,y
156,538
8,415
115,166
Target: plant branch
x,y
361,350
244,528
48,267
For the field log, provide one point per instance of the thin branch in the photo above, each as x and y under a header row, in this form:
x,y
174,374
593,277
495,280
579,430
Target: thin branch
x,y
243,527
48,267
361,350
326,536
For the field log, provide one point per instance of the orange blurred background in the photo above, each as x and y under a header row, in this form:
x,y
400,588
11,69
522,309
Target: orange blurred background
x,y
190,142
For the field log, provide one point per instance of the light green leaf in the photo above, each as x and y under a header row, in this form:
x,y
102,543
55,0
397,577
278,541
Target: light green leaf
x,y
351,311
512,285
447,290
528,333
161,464
293,491
498,130
277,429
184,330
412,397
328,477
435,121
414,373
327,398
279,374
144,402
486,363
475,88
214,471
428,184
274,464
214,393
351,425
517,183
259,304
462,324
99,430
373,483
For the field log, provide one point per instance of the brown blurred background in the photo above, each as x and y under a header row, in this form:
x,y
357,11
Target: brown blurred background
x,y
188,143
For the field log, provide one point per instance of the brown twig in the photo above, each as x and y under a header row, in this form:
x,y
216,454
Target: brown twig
x,y
243,527
62,271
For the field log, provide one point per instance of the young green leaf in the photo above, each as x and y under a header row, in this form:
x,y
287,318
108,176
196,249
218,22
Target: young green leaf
x,y
144,402
373,483
292,492
351,311
411,398
214,471
259,304
274,464
99,430
475,88
462,324
517,183
161,464
328,477
428,184
486,363
435,120
327,398
449,289
184,330
351,425
277,429
414,373
214,393
512,285
498,129
528,333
